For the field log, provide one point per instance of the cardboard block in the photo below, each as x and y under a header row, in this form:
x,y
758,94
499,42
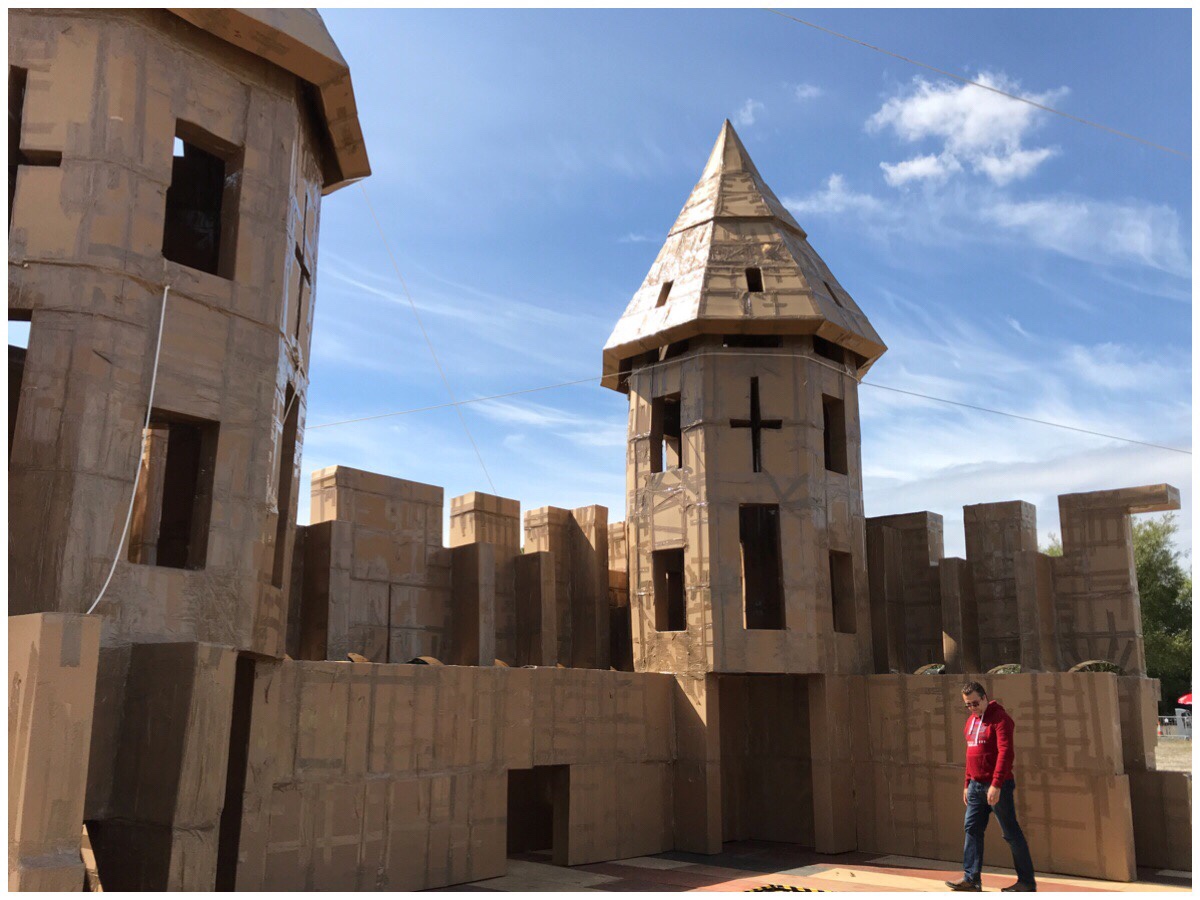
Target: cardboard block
x,y
1162,819
1138,701
536,619
52,665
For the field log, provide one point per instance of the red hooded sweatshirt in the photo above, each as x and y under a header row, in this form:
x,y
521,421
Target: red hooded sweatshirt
x,y
989,746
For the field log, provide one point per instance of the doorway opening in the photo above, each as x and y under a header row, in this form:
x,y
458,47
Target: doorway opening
x,y
538,806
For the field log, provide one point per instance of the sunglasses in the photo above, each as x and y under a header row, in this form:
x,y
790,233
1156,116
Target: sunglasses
x,y
971,704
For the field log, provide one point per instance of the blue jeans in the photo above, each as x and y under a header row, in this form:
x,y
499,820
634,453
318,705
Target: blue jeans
x,y
975,824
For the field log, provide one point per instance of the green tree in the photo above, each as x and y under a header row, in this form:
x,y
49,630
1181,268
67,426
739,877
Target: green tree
x,y
1166,592
1053,546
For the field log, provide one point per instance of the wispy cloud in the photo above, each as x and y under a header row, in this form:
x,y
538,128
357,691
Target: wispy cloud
x,y
976,127
920,168
632,238
749,112
833,199
803,92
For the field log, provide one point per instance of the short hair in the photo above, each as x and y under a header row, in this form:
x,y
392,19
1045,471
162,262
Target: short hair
x,y
974,687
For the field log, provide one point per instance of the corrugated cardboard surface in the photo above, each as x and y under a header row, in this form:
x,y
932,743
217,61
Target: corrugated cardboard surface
x,y
1072,796
106,89
1162,819
696,507
1138,699
1095,582
914,607
168,786
995,534
52,664
394,776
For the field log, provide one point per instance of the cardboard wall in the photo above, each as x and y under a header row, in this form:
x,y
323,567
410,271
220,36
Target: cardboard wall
x,y
1073,796
394,776
52,663
86,262
1162,819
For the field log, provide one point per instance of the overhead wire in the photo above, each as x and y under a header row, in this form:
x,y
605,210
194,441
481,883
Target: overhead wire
x,y
759,355
437,362
987,87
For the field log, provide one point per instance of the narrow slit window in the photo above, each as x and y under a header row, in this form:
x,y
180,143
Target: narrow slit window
x,y
670,597
834,411
762,566
175,491
752,341
200,225
841,587
754,280
19,323
666,434
664,292
287,464
833,294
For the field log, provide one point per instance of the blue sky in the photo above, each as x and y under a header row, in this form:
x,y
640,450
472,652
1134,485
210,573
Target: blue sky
x,y
528,164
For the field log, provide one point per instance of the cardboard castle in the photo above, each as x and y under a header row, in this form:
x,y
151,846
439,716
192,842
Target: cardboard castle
x,y
364,704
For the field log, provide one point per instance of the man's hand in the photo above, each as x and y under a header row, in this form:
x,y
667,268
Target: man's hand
x,y
965,792
993,795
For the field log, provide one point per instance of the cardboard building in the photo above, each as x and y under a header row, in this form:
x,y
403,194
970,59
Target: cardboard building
x,y
367,703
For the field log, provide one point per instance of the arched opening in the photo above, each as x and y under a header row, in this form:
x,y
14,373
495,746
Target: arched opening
x,y
1097,665
1006,669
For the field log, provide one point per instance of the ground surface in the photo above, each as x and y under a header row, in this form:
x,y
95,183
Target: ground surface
x,y
1173,755
749,864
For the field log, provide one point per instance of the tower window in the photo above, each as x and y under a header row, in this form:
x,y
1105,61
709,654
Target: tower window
x,y
835,434
670,603
287,465
19,323
200,225
828,349
175,492
841,587
762,566
754,280
666,434
664,292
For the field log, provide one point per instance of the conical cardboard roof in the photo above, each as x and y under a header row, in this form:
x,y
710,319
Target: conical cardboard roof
x,y
733,222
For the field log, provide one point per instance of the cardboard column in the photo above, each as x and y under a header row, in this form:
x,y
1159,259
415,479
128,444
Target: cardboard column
x,y
995,534
960,624
589,588
697,765
473,618
52,661
1033,580
536,619
170,768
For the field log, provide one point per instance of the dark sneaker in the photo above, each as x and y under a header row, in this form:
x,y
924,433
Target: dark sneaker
x,y
965,885
1020,886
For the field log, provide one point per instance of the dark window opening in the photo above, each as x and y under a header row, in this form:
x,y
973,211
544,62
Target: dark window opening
x,y
666,433
18,342
538,806
754,280
757,341
828,349
678,348
762,566
200,226
287,463
174,496
841,588
670,595
834,411
18,79
833,294
664,292
230,829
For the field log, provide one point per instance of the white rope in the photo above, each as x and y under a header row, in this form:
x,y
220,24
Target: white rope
x,y
162,316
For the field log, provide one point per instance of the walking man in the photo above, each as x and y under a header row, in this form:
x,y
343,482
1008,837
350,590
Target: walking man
x,y
989,788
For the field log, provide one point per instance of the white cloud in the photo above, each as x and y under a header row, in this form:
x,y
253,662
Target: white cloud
x,y
807,92
975,126
1098,231
835,197
633,238
919,168
750,110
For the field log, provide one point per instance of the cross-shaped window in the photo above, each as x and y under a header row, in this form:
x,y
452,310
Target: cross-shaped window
x,y
756,423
